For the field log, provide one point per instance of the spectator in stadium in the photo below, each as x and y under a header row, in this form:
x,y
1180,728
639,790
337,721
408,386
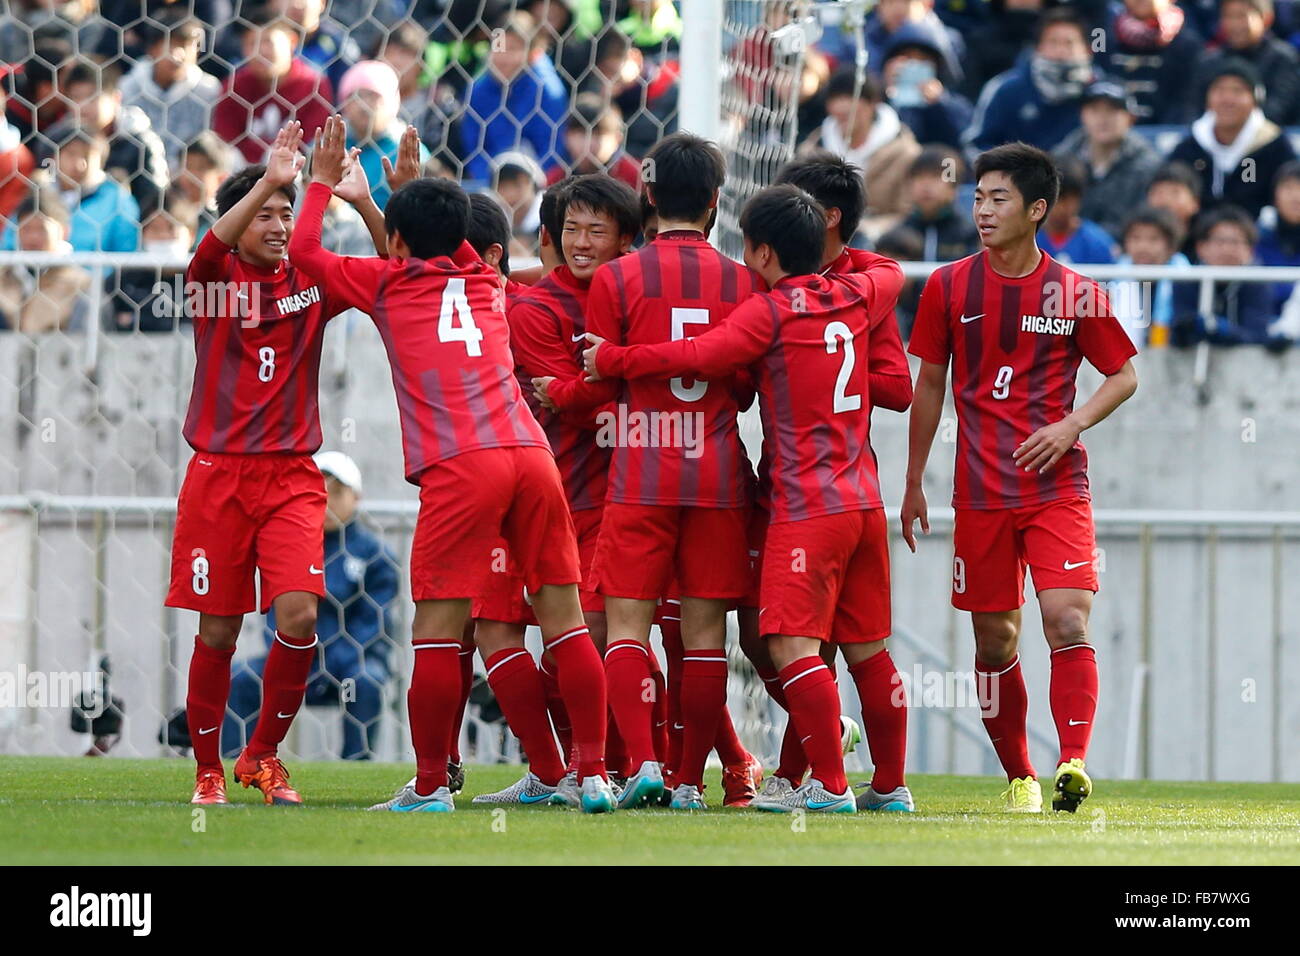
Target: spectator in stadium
x,y
1240,312
654,26
644,89
919,86
593,138
128,24
402,48
890,16
1118,163
167,84
203,167
1150,46
1066,236
905,244
147,301
354,625
518,181
104,216
943,232
30,23
995,44
272,85
459,45
1279,234
16,160
1244,31
1176,189
1233,147
868,133
136,155
42,299
518,101
1151,237
1038,100
321,43
370,98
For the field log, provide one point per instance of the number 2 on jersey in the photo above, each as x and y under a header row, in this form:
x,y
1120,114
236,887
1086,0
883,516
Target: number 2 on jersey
x,y
835,333
681,318
455,305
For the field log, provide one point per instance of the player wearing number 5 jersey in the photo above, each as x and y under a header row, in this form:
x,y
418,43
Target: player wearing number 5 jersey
x,y
1015,325
482,463
252,499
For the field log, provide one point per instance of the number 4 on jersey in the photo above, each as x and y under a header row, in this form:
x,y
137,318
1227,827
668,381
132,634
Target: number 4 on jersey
x,y
455,305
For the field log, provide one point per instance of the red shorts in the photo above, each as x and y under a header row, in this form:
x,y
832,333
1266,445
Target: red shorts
x,y
238,514
506,599
643,548
759,519
489,512
828,578
991,550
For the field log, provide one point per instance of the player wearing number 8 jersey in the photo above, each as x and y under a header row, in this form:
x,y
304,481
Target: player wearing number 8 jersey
x,y
482,463
1016,324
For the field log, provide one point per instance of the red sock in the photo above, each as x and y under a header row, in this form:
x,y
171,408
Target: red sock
x,y
1073,694
1004,707
616,759
727,743
582,683
671,630
884,718
512,675
205,702
704,696
466,661
815,709
659,714
284,681
431,707
627,670
794,762
559,715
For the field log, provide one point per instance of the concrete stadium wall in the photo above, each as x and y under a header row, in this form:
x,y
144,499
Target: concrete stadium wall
x,y
1215,622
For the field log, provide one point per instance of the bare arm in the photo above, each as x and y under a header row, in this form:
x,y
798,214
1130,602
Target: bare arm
x,y
1044,448
282,168
927,407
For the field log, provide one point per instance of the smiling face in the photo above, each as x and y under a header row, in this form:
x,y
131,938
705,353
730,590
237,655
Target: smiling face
x,y
1231,101
1000,213
1147,244
589,240
266,240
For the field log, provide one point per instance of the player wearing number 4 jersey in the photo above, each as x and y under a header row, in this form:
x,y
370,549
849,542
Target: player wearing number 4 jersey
x,y
252,499
825,568
481,461
1015,325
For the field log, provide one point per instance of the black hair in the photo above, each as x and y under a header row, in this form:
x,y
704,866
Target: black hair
x,y
603,194
432,216
1230,215
684,173
488,226
1288,170
590,110
902,243
832,181
1074,178
1031,170
1055,17
548,211
1161,219
791,222
844,82
103,79
211,147
46,201
648,210
1180,174
264,16
941,161
168,22
236,187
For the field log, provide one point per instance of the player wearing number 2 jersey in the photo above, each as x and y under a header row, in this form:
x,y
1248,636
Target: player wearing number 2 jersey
x,y
252,499
481,461
1016,324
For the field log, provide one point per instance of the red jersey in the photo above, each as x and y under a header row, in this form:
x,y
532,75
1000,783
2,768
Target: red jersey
x,y
808,342
1015,346
547,324
257,337
250,111
891,377
677,287
444,327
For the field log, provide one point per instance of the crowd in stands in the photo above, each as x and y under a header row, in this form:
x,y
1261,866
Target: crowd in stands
x,y
1176,125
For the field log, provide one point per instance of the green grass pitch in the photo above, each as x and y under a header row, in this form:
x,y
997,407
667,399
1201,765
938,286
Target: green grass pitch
x,y
85,811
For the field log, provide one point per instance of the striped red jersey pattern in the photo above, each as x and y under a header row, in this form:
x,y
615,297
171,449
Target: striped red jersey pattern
x,y
547,323
891,376
807,342
677,287
257,340
1015,346
443,323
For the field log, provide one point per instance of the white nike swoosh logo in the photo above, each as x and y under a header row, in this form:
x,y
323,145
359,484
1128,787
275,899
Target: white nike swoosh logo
x,y
806,739
283,716
971,318
208,731
202,462
314,570
579,337
1076,723
1076,564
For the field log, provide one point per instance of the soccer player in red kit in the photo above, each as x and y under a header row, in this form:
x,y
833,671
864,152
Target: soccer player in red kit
x,y
252,499
825,573
1016,324
677,500
482,462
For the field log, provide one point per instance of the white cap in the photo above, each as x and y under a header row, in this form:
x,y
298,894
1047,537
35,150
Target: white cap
x,y
341,467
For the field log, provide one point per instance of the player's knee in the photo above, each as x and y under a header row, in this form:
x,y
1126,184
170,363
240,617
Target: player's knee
x,y
297,620
1066,626
996,640
220,633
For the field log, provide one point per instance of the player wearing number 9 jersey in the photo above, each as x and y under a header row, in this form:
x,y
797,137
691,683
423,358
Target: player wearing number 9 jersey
x,y
252,498
482,463
1015,325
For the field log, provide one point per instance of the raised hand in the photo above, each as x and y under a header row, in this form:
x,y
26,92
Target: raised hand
x,y
285,161
329,155
408,160
353,187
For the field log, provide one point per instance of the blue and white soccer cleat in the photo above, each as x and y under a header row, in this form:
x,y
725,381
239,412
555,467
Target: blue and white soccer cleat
x,y
644,786
811,797
567,792
597,796
408,801
687,796
774,789
527,790
898,800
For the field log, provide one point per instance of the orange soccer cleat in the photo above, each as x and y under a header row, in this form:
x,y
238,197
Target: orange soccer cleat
x,y
740,783
268,775
210,788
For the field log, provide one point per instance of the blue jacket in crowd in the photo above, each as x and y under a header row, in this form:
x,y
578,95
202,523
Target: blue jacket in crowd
x,y
1010,108
1240,314
531,111
1088,243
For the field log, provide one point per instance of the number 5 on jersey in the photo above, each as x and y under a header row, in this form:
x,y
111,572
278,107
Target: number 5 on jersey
x,y
455,321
